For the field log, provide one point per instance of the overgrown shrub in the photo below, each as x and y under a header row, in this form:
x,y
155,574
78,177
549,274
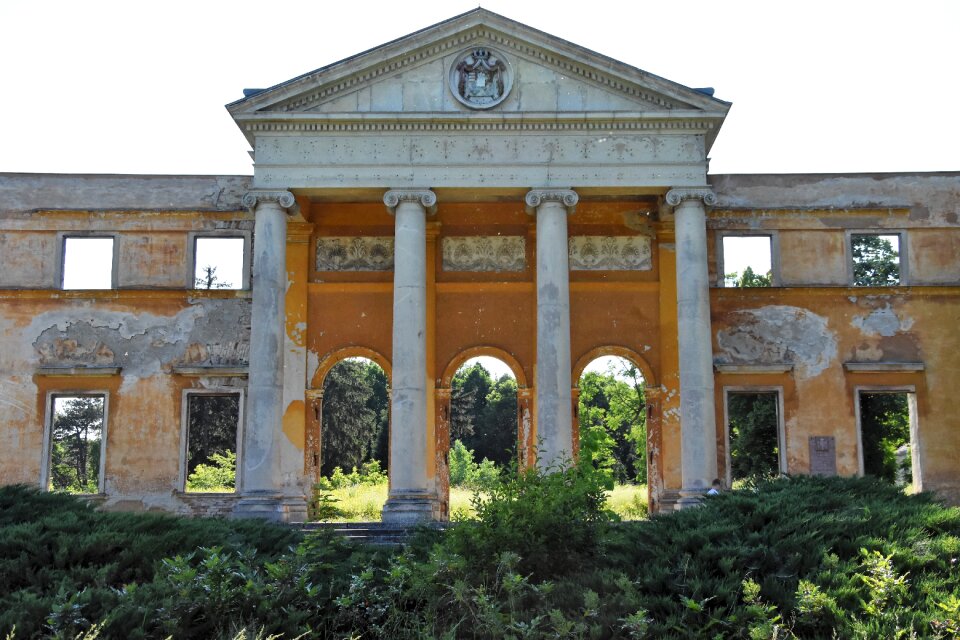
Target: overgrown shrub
x,y
217,477
464,472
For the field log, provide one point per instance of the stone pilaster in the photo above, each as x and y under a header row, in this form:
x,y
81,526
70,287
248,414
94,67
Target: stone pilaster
x,y
313,438
410,499
697,416
259,482
526,429
554,419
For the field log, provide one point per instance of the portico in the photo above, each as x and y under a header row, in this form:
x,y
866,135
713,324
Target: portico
x,y
458,130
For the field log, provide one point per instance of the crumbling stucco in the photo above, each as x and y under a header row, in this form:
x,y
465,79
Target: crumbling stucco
x,y
881,322
778,334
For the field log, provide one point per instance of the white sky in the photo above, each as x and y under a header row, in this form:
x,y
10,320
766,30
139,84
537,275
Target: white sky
x,y
498,368
130,87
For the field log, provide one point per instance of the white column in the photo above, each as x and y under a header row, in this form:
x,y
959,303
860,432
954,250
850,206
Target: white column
x,y
258,482
698,432
553,398
410,499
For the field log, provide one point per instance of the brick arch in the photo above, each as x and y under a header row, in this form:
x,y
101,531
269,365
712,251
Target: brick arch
x,y
334,357
614,350
482,350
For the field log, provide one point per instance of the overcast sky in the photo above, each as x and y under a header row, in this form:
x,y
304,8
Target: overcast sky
x,y
131,87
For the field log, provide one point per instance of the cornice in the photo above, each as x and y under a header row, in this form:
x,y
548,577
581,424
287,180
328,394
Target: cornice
x,y
299,123
461,40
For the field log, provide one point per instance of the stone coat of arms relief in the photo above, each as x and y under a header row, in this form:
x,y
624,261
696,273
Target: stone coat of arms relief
x,y
481,78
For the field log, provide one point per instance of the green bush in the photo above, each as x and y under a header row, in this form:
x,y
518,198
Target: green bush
x,y
801,557
217,477
369,473
464,472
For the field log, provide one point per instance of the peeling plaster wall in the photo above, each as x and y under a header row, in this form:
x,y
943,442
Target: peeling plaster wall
x,y
148,327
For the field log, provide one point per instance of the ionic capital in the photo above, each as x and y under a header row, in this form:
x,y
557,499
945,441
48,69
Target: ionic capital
x,y
424,197
676,196
251,199
567,197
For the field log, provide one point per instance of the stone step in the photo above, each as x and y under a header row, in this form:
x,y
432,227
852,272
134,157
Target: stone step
x,y
375,533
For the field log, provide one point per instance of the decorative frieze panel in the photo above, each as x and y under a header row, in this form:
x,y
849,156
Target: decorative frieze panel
x,y
484,253
355,254
610,253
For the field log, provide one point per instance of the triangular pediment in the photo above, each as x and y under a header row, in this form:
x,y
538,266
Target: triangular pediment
x,y
416,74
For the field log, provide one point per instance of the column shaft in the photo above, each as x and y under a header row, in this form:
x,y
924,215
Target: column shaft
x,y
554,417
260,488
410,498
697,414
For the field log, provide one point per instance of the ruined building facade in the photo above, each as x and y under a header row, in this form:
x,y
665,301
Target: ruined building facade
x,y
475,188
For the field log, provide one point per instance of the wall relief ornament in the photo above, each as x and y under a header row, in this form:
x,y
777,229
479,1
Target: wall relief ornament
x,y
355,254
481,78
610,253
484,253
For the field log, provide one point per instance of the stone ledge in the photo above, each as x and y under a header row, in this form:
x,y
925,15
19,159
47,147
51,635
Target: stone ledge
x,y
212,371
726,367
880,367
79,371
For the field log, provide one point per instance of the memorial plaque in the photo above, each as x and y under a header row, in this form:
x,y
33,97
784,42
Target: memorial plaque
x,y
823,456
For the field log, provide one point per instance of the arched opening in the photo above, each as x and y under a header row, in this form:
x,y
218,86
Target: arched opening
x,y
348,436
482,400
610,424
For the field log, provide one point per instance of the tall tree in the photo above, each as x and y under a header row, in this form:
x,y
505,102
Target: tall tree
x,y
210,280
76,441
351,423
484,413
876,263
749,279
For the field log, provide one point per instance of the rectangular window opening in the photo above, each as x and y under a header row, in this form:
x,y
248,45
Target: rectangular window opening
x,y
876,259
76,444
747,261
887,422
87,263
754,432
212,426
218,263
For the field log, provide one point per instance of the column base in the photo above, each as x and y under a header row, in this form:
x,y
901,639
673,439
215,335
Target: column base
x,y
411,508
271,506
689,498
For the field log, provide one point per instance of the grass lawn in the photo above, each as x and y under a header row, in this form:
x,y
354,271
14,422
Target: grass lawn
x,y
363,503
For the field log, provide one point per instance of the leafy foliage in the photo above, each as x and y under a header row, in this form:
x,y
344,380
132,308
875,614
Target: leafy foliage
x,y
790,558
754,443
613,427
219,477
464,472
748,279
76,442
876,262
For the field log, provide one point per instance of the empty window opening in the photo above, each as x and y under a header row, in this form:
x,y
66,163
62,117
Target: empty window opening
x,y
76,444
218,263
885,429
212,426
87,263
876,259
747,261
612,425
753,423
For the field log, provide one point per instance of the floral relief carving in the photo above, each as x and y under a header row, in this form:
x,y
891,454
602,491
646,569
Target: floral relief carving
x,y
610,253
355,254
484,253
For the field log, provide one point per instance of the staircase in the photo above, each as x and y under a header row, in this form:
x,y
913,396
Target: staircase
x,y
372,533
